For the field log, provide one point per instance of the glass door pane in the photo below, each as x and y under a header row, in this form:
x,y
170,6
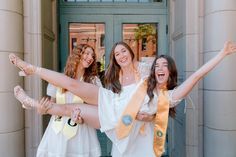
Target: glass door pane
x,y
142,38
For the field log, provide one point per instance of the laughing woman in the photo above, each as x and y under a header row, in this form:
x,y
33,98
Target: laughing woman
x,y
127,94
63,137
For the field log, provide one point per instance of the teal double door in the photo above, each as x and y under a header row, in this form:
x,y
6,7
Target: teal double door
x,y
106,24
101,25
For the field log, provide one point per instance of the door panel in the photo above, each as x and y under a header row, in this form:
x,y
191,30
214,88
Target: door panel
x,y
65,46
113,30
159,20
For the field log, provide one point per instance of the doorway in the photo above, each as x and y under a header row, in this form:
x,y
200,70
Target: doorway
x,y
142,24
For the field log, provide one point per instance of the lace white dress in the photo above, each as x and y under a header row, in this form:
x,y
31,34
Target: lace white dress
x,y
84,144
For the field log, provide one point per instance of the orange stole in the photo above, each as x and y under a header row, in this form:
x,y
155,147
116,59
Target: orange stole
x,y
161,123
125,123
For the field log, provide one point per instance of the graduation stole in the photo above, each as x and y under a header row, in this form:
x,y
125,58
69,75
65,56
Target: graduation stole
x,y
125,123
69,129
161,123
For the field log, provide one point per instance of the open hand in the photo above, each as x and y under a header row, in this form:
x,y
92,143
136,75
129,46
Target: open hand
x,y
44,105
229,47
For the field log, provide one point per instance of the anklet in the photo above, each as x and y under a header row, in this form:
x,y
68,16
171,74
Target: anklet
x,y
38,70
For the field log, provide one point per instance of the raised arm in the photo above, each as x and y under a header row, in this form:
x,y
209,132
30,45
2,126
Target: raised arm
x,y
184,89
88,92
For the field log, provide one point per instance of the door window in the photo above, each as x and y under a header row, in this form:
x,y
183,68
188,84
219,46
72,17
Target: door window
x,y
142,38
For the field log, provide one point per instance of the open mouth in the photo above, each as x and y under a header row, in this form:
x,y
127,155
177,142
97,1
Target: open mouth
x,y
161,75
89,62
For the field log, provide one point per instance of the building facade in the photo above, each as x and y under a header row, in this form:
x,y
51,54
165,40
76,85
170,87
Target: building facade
x,y
191,31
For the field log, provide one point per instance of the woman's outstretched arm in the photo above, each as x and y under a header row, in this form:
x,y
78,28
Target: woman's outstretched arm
x,y
184,89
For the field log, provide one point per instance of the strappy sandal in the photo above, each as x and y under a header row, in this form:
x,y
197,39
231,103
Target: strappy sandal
x,y
26,101
75,116
26,68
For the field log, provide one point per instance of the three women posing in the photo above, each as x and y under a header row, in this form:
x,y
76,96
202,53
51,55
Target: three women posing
x,y
122,82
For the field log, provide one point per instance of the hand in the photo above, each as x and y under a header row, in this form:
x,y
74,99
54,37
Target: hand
x,y
229,48
145,117
44,105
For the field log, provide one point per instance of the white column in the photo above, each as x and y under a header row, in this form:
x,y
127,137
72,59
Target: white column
x,y
11,113
33,85
219,85
185,48
192,64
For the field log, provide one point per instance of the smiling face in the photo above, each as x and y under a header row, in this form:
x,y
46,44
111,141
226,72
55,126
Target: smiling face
x,y
87,58
122,56
161,71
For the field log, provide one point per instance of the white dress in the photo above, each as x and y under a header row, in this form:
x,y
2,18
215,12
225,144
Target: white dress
x,y
110,108
84,144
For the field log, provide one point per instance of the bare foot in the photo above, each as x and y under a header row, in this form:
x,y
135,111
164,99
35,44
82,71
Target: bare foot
x,y
26,101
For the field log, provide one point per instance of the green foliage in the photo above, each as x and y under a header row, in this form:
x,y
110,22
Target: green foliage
x,y
144,31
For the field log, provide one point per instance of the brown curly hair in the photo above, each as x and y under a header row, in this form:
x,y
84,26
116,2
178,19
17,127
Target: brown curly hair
x,y
171,83
73,61
111,79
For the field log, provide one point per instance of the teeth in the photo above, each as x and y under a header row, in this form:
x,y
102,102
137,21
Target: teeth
x,y
161,76
122,60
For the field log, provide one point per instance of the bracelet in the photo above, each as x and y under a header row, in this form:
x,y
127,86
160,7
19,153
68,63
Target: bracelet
x,y
38,70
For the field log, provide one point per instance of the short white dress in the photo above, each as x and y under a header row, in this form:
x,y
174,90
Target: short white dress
x,y
84,144
111,107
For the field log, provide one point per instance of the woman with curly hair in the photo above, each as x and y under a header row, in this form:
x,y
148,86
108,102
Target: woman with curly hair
x,y
63,137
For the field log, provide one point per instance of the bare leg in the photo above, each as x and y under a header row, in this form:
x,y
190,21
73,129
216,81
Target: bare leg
x,y
89,113
86,91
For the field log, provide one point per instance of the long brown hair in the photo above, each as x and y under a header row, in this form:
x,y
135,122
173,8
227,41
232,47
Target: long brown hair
x,y
73,61
171,82
111,80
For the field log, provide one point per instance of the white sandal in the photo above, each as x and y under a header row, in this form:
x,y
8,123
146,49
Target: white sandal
x,y
75,116
26,68
26,101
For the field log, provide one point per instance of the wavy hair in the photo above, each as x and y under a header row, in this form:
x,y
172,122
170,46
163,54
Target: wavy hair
x,y
73,61
171,82
111,79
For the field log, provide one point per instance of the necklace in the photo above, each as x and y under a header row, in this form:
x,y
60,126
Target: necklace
x,y
126,78
132,75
